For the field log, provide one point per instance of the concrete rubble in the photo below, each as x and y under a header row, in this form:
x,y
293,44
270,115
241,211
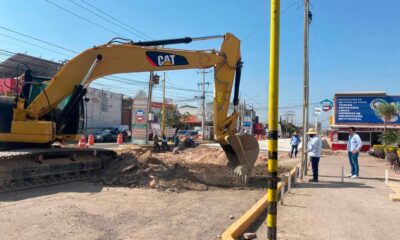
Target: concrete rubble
x,y
145,171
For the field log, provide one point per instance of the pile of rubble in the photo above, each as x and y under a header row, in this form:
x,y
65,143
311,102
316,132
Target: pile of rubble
x,y
146,171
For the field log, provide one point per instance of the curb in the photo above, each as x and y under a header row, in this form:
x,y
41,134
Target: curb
x,y
244,222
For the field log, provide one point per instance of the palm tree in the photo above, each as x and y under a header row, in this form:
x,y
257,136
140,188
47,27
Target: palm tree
x,y
390,138
387,112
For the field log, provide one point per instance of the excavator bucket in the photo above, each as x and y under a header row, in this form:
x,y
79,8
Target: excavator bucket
x,y
242,153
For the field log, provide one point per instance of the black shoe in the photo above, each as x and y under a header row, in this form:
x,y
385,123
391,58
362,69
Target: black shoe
x,y
312,180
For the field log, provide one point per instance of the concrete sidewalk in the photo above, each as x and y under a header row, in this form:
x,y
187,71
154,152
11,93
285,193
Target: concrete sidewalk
x,y
356,209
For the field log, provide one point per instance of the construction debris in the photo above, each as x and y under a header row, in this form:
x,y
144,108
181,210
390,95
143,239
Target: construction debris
x,y
250,235
193,169
127,170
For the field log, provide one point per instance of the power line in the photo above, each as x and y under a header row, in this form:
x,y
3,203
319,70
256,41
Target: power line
x,y
35,45
116,79
83,18
175,88
34,38
265,24
119,21
111,78
105,19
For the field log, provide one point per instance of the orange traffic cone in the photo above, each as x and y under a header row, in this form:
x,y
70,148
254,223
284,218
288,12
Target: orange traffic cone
x,y
120,139
91,140
82,142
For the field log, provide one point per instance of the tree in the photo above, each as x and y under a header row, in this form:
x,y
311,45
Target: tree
x,y
387,112
390,138
173,118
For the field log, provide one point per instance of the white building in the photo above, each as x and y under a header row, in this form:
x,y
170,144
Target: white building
x,y
103,109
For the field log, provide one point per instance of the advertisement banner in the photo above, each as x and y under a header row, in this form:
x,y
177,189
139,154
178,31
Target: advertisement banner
x,y
362,110
139,120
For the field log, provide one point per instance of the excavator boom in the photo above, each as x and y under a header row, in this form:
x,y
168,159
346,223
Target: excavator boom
x,y
34,122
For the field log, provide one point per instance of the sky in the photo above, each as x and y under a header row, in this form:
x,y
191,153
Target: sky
x,y
354,45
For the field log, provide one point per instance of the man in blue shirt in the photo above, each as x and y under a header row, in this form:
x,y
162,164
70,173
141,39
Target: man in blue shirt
x,y
294,142
354,146
314,148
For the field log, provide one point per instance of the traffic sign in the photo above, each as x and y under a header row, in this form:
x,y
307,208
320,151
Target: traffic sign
x,y
317,111
326,105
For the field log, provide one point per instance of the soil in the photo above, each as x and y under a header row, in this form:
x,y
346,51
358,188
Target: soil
x,y
191,169
195,194
84,210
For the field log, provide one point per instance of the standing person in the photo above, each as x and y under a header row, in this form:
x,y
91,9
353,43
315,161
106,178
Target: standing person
x,y
354,146
164,143
156,146
176,140
294,142
314,151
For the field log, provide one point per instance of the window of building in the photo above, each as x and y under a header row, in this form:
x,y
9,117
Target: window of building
x,y
365,136
343,136
375,138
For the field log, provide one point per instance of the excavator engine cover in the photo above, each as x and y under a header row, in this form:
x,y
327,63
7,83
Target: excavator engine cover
x,y
242,153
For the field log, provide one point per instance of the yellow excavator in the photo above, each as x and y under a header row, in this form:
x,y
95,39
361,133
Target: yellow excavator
x,y
30,123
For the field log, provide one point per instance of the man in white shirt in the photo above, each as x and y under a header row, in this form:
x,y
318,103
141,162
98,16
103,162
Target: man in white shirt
x,y
314,151
354,146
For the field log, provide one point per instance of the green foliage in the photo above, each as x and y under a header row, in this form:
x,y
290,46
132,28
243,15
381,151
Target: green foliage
x,y
390,138
387,111
173,118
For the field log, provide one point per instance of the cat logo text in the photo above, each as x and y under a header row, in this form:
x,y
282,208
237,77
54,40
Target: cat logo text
x,y
162,59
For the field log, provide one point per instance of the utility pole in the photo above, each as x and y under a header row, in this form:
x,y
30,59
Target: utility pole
x,y
243,116
203,99
307,21
252,119
273,100
163,108
152,80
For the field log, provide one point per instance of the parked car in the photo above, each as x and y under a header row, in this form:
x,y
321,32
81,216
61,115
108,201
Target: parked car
x,y
106,135
187,137
194,134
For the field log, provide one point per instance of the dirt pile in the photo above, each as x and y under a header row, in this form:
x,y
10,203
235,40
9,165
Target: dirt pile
x,y
145,171
193,168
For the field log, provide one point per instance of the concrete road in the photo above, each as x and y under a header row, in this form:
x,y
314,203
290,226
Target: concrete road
x,y
283,145
356,209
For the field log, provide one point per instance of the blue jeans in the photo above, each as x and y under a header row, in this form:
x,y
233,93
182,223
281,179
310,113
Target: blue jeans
x,y
353,158
314,164
295,150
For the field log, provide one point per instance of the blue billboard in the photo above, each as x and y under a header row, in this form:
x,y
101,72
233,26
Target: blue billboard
x,y
362,109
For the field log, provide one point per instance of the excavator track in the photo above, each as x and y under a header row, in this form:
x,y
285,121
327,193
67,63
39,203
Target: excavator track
x,y
30,168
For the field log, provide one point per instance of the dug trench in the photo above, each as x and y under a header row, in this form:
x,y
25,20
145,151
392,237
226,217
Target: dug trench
x,y
197,169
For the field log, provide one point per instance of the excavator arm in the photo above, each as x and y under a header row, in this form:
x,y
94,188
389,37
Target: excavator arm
x,y
28,124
